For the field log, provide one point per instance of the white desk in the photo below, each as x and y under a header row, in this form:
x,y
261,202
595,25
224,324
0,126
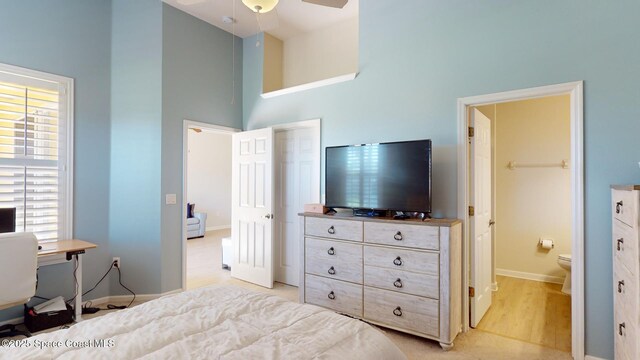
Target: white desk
x,y
71,248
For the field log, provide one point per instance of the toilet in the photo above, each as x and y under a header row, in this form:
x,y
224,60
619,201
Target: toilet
x,y
564,260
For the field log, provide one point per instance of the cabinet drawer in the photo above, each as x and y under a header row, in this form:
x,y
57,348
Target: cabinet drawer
x,y
402,281
625,290
402,259
345,264
624,206
403,311
336,295
333,228
416,236
625,336
625,246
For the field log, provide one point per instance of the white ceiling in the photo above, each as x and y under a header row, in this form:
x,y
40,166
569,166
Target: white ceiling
x,y
288,19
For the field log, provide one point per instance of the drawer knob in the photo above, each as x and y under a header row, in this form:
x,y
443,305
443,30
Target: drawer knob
x,y
397,311
331,230
620,327
331,295
397,261
620,242
618,207
331,251
398,236
397,283
332,271
620,285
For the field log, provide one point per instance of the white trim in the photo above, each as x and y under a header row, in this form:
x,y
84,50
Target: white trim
x,y
589,357
575,90
217,227
104,300
186,125
530,276
311,85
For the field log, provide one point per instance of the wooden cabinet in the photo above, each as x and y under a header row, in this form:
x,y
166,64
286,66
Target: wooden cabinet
x,y
401,274
626,270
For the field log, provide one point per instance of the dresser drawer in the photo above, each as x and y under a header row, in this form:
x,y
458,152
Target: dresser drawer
x,y
415,236
333,228
625,292
625,336
336,295
402,311
625,246
345,263
402,281
402,259
624,206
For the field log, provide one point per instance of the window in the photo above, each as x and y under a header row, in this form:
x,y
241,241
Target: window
x,y
36,138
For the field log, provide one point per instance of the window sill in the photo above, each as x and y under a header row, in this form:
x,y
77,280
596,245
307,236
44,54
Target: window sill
x,y
311,85
52,259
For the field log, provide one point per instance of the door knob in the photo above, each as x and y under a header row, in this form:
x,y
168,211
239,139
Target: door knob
x,y
269,216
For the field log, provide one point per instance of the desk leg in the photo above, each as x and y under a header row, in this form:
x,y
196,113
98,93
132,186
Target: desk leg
x,y
78,301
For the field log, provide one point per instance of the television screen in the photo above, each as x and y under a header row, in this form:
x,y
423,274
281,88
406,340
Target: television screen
x,y
387,176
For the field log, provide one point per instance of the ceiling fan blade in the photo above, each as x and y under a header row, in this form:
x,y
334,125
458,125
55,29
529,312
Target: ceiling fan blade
x,y
330,3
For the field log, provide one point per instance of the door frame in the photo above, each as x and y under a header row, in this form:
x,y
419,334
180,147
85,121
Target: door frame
x,y
575,90
316,126
186,125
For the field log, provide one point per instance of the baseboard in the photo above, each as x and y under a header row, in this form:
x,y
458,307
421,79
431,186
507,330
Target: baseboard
x,y
494,286
589,357
104,300
218,227
530,276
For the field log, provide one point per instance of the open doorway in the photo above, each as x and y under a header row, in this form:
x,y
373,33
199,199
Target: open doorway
x,y
207,202
529,224
521,189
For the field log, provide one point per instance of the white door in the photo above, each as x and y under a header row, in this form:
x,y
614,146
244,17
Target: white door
x,y
297,177
480,223
252,206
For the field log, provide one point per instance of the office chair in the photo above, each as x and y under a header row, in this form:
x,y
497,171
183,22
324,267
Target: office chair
x,y
18,264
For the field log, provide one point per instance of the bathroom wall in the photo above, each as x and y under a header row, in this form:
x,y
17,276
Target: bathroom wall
x,y
531,203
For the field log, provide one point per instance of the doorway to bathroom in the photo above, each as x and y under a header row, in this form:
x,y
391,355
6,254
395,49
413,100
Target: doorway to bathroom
x,y
523,180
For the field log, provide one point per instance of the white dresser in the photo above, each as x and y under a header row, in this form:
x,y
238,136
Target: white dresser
x,y
626,270
400,274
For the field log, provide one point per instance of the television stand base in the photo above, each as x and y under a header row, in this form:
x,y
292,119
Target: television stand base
x,y
369,213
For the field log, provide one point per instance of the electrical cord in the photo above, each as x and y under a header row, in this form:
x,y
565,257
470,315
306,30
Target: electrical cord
x,y
109,306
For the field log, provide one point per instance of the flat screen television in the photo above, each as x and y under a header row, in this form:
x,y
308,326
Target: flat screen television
x,y
387,176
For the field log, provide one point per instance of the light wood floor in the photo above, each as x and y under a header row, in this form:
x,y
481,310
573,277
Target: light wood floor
x,y
531,311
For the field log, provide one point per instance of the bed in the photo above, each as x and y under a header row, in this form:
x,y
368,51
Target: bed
x,y
217,322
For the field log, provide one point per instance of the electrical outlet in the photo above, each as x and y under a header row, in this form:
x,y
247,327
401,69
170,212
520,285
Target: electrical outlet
x,y
116,262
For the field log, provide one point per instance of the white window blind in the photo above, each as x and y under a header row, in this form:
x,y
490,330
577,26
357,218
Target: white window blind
x,y
35,151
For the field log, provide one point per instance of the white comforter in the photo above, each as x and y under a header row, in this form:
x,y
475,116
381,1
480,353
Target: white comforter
x,y
219,322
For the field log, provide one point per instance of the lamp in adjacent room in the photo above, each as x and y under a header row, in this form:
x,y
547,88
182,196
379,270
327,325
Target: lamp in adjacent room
x,y
260,6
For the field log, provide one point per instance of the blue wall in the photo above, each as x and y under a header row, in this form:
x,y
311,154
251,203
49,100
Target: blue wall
x,y
71,38
136,135
417,57
197,84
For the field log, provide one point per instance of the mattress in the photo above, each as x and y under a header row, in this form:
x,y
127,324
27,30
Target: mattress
x,y
218,322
